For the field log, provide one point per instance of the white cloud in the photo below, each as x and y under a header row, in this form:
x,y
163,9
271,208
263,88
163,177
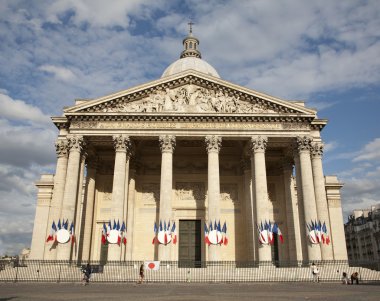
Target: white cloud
x,y
26,150
370,152
361,182
59,72
329,146
100,13
19,110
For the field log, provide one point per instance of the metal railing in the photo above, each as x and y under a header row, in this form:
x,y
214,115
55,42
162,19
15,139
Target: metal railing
x,y
186,271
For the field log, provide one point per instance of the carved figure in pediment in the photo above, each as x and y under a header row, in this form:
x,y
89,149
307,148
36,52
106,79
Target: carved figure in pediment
x,y
190,98
168,100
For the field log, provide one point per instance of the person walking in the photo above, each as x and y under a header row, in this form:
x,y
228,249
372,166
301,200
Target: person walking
x,y
86,274
142,270
315,272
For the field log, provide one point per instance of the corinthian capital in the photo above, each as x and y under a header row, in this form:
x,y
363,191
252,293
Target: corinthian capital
x,y
62,148
258,143
122,143
317,149
76,143
304,143
167,143
213,143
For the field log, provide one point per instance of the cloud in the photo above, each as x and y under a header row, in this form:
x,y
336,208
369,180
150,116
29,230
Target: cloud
x,y
59,72
97,13
361,182
369,152
26,150
329,146
18,110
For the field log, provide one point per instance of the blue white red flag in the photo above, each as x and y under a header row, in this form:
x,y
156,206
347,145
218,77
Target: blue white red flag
x,y
207,241
52,232
72,232
174,233
104,234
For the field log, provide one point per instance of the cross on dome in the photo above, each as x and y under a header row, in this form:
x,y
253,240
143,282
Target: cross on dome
x,y
190,26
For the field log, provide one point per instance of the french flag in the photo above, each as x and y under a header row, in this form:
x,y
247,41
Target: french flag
x,y
174,234
52,232
104,234
224,231
72,232
207,241
155,230
123,231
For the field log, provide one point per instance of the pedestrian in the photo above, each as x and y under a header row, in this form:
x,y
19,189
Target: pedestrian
x,y
355,278
315,272
188,278
345,278
86,274
142,270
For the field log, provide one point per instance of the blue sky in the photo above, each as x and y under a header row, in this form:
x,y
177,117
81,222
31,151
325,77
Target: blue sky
x,y
52,52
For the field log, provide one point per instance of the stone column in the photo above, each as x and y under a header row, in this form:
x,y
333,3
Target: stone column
x,y
308,195
320,196
88,212
122,146
61,147
76,144
213,144
79,209
250,207
130,211
258,146
167,145
292,217
301,212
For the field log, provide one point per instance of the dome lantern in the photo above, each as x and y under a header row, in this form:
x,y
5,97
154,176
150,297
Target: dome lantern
x,y
191,45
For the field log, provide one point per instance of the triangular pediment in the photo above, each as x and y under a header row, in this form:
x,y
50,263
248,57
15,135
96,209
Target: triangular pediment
x,y
189,92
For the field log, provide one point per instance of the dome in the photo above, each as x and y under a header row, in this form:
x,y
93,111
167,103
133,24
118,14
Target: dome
x,y
188,63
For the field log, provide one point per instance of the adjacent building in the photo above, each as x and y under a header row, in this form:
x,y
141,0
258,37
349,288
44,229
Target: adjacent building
x,y
363,234
189,167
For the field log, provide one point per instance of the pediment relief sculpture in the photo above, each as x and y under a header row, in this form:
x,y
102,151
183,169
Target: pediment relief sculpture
x,y
188,99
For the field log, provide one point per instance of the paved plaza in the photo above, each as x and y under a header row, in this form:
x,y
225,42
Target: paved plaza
x,y
189,291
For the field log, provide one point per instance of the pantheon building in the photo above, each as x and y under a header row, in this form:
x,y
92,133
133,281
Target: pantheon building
x,y
189,167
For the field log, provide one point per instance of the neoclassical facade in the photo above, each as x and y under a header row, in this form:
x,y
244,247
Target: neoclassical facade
x,y
196,151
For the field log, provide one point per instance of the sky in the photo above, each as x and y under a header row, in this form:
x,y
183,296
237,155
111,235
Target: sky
x,y
52,52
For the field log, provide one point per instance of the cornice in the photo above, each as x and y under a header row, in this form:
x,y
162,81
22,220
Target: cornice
x,y
61,122
318,124
188,117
